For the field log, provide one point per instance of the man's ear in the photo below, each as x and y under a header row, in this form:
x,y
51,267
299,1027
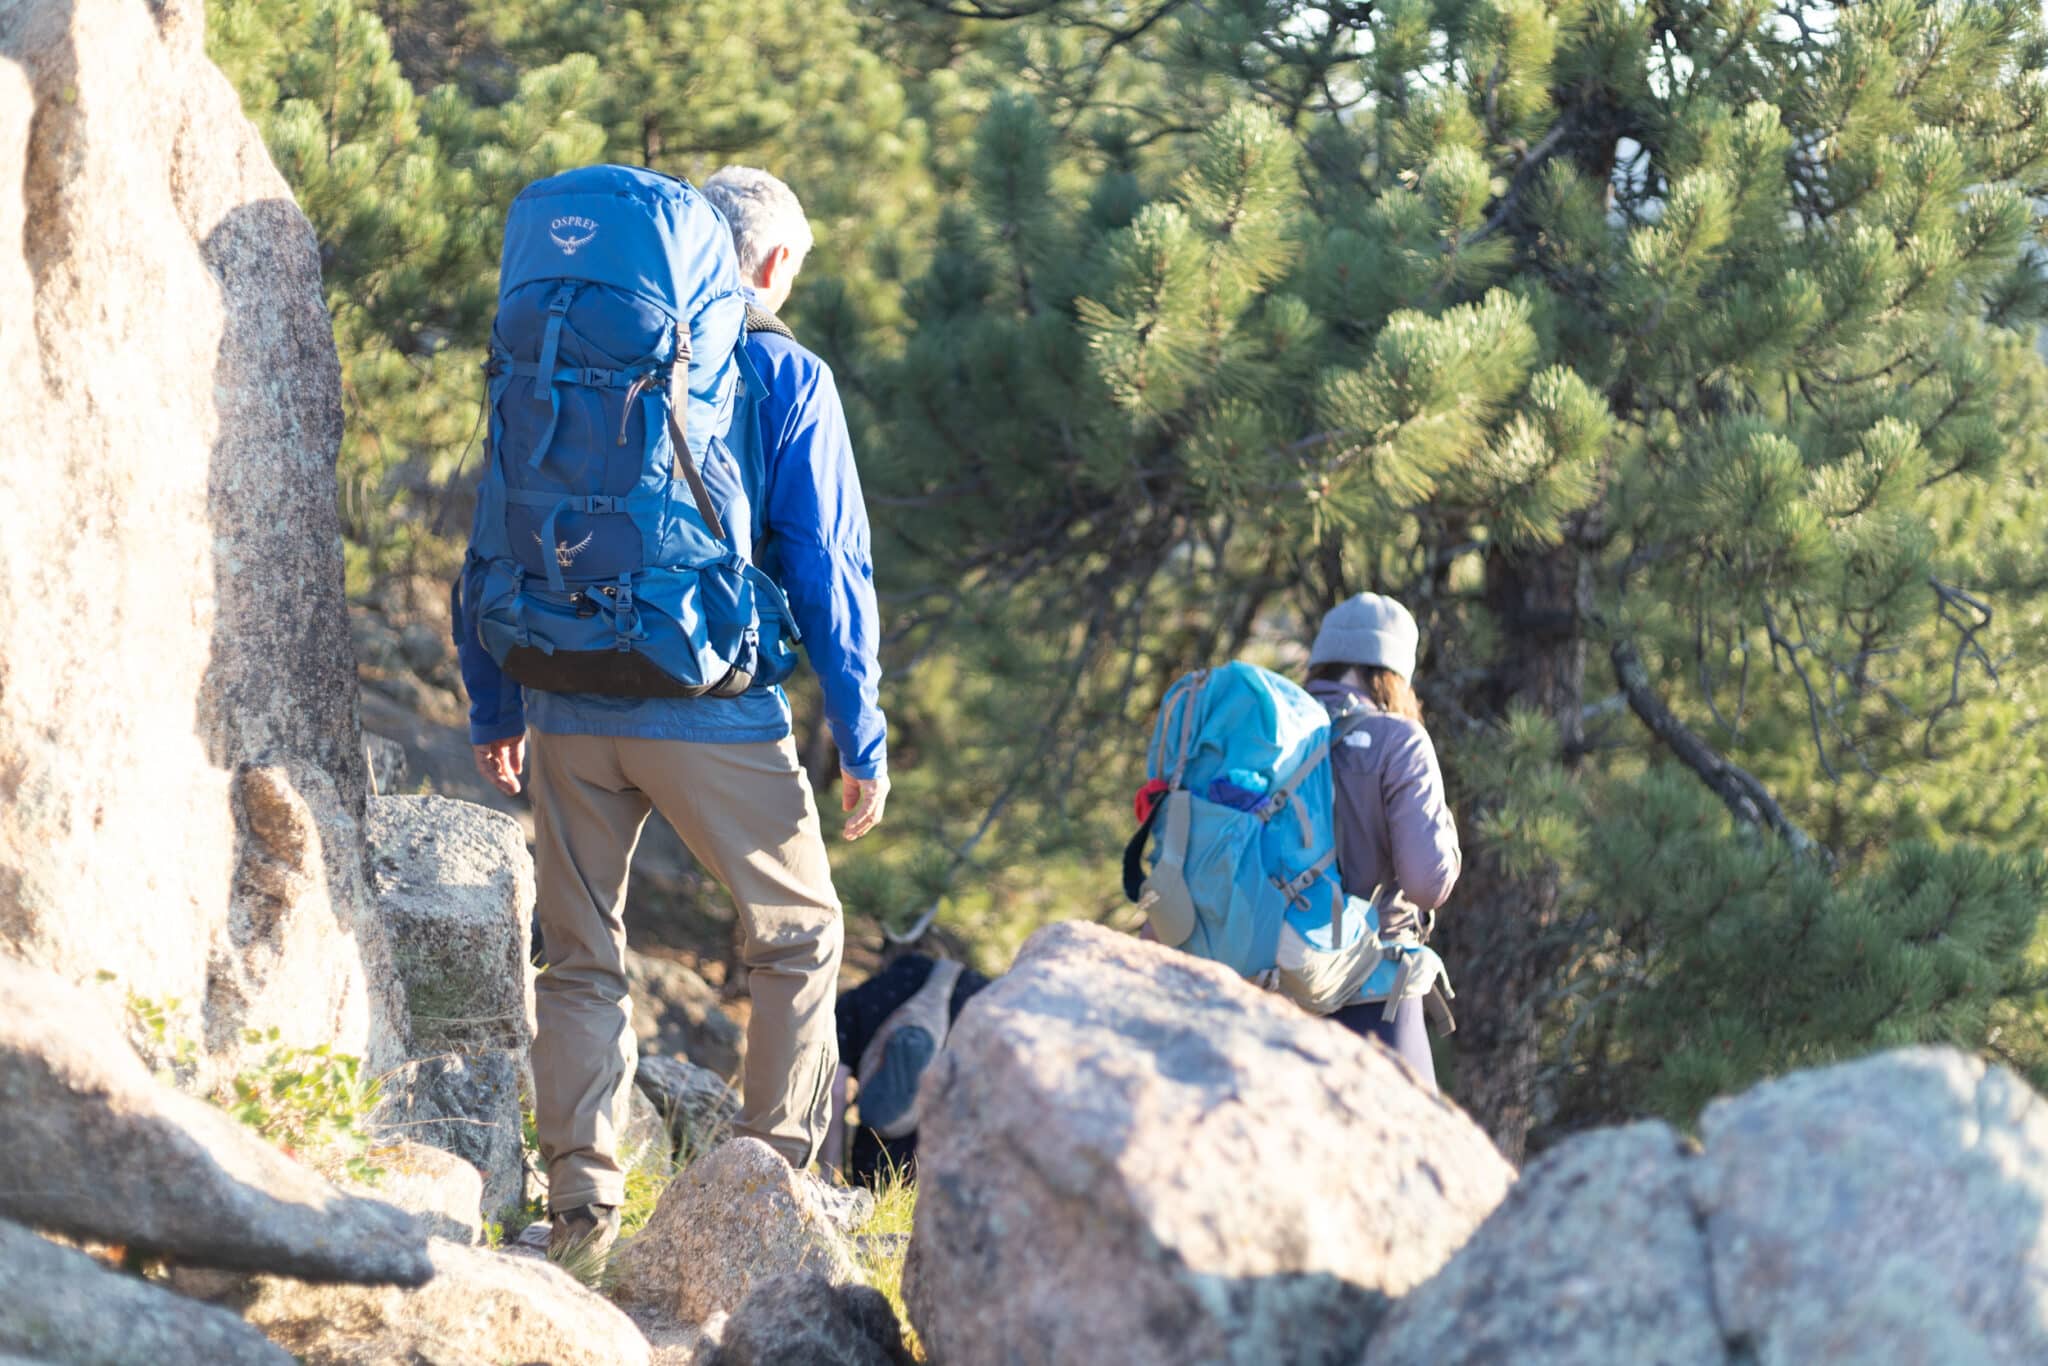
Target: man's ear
x,y
774,267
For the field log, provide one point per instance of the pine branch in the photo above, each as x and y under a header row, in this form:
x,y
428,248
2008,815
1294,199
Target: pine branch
x,y
1749,800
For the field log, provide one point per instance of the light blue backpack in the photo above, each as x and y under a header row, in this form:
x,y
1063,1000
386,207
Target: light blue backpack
x,y
1243,851
599,562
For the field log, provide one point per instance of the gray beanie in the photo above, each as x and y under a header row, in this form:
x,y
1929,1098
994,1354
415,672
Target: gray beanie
x,y
1367,629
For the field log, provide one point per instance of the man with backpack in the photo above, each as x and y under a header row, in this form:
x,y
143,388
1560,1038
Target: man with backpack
x,y
621,643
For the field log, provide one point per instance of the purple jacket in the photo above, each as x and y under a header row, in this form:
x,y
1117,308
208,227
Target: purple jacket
x,y
1393,824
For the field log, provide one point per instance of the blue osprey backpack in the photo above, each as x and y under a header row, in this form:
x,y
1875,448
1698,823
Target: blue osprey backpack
x,y
599,562
1243,850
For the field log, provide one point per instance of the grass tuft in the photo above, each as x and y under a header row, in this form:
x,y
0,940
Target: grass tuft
x,y
879,1246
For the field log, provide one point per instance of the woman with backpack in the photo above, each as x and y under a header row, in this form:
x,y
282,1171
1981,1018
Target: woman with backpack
x,y
1394,827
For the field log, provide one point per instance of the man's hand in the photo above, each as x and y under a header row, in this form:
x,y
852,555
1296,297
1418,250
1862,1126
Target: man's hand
x,y
500,762
864,799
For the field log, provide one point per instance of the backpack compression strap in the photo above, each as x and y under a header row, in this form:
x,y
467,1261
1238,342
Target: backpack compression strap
x,y
686,463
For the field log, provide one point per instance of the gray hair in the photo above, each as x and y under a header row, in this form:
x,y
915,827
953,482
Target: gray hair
x,y
764,214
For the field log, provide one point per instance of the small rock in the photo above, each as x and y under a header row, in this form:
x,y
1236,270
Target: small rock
x,y
442,1191
729,1221
97,1148
377,644
644,1141
454,883
698,1104
388,764
468,1106
677,1012
481,1306
58,1305
676,1343
423,648
802,1319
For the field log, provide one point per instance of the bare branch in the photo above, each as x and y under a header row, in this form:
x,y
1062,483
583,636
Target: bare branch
x,y
1749,800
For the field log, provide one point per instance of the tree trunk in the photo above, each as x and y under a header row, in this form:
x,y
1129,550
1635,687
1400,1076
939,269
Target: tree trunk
x,y
1500,935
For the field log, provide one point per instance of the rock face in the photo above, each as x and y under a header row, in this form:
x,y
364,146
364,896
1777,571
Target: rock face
x,y
57,1305
698,1105
1887,1210
676,1012
181,771
454,883
728,1222
805,1320
468,1106
480,1307
1129,1155
97,1148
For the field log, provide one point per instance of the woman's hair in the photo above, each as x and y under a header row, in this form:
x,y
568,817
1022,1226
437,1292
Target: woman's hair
x,y
1388,690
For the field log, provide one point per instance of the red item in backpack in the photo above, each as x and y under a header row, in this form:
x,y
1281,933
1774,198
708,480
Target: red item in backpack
x,y
1148,797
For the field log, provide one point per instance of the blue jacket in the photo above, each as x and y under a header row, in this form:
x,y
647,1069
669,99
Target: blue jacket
x,y
789,474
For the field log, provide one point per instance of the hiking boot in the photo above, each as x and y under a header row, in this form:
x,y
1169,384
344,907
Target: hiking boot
x,y
585,1231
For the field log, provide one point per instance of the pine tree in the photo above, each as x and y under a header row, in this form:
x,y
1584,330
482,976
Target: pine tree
x,y
1674,362
407,195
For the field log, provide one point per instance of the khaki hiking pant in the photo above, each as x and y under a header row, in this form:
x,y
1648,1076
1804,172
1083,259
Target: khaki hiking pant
x,y
746,813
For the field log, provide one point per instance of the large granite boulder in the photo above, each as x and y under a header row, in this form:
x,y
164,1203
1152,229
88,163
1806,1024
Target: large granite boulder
x,y
726,1223
454,884
60,1306
1129,1155
1891,1210
179,752
1595,1258
481,1307
98,1148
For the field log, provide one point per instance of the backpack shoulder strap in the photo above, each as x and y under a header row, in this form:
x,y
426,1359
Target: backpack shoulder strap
x,y
761,320
1344,722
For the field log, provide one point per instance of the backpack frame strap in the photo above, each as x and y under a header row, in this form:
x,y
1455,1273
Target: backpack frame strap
x,y
544,390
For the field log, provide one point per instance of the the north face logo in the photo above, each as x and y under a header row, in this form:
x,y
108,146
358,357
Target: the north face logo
x,y
569,233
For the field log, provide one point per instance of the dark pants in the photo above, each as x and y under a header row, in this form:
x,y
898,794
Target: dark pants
x,y
1406,1033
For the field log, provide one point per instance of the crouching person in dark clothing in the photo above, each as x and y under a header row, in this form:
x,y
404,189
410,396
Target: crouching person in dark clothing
x,y
890,1028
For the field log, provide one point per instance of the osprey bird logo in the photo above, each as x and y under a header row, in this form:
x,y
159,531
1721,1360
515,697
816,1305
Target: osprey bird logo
x,y
570,232
565,554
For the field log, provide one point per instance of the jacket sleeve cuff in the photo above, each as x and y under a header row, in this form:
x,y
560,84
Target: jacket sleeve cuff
x,y
877,767
497,730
